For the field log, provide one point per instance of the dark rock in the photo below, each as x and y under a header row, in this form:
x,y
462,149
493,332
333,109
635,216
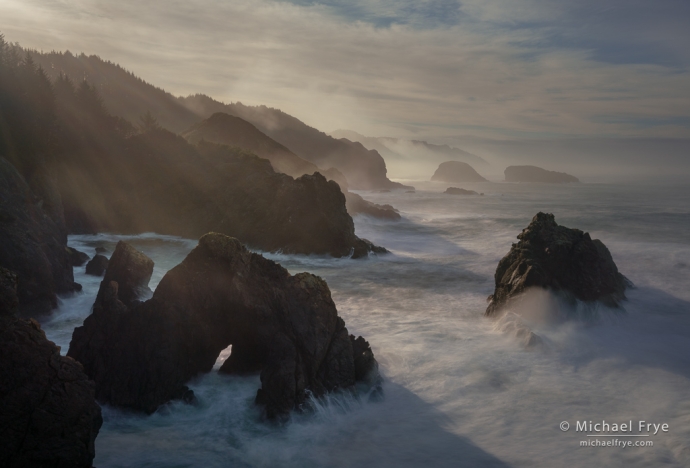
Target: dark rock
x,y
363,247
459,191
76,257
559,259
49,415
537,174
100,250
97,265
358,205
409,191
285,326
456,171
32,245
131,270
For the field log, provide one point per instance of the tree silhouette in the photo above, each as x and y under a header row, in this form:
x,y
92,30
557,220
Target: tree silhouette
x,y
148,123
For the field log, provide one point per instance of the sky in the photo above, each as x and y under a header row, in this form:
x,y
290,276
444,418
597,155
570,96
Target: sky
x,y
425,69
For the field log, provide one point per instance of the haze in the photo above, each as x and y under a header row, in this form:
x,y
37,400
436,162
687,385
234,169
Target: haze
x,y
523,80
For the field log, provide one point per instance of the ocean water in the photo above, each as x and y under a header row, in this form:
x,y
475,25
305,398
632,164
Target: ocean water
x,y
458,390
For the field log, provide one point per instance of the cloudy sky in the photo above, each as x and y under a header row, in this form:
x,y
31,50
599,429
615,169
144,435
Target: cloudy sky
x,y
499,69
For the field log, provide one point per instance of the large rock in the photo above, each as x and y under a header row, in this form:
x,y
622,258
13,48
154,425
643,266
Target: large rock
x,y
48,412
357,205
286,326
97,265
559,259
537,174
456,171
131,270
459,191
33,244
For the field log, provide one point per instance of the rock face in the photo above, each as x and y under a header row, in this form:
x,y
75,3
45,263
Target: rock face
x,y
49,415
560,259
97,265
32,244
286,326
537,174
459,191
131,270
76,257
456,171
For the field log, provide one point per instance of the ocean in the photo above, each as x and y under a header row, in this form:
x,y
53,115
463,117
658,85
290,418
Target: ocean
x,y
459,391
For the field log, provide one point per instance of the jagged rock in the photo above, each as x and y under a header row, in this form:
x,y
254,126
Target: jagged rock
x,y
97,265
286,326
559,259
358,205
456,171
537,174
49,415
77,258
459,191
32,245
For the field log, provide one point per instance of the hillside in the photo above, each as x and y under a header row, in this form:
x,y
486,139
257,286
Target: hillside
x,y
128,96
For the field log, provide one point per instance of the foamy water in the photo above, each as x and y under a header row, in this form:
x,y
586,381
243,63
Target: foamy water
x,y
458,391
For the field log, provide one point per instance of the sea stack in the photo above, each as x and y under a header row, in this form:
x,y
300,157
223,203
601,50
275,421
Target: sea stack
x,y
456,171
559,259
286,327
536,174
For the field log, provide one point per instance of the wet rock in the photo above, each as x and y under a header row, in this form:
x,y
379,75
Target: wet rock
x,y
77,258
456,171
97,265
286,327
459,191
48,415
363,247
32,244
559,259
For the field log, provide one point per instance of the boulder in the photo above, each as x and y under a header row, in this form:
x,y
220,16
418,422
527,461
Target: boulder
x,y
97,265
560,259
32,245
459,191
538,175
287,327
456,171
77,258
49,415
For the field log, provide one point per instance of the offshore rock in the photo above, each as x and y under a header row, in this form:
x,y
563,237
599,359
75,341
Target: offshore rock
x,y
560,259
357,205
49,415
459,191
456,171
538,175
32,245
76,257
287,327
97,265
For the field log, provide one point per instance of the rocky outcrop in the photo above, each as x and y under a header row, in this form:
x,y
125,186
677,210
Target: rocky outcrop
x,y
32,244
97,265
356,205
49,415
538,175
456,171
131,270
286,327
560,259
459,191
160,183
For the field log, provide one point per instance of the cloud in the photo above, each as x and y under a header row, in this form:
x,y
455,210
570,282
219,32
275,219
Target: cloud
x,y
490,68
